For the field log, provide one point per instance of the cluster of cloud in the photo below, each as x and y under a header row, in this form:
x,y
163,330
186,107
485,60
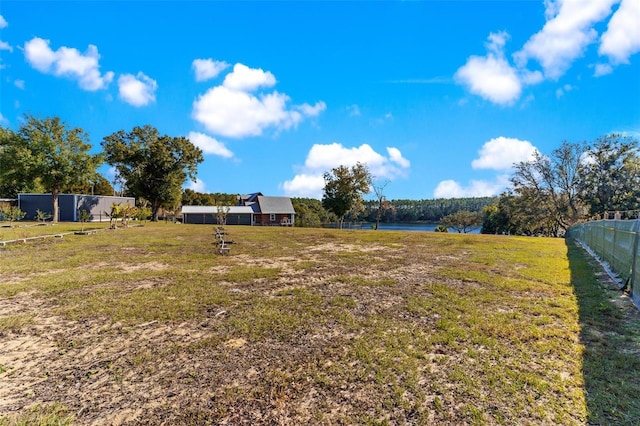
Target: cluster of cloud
x,y
321,158
244,105
498,154
83,67
3,44
568,31
68,62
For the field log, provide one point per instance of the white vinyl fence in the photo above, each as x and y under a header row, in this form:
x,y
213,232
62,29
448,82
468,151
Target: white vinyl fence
x,y
615,243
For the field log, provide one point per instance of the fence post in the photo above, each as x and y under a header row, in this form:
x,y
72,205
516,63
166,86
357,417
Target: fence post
x,y
634,264
614,260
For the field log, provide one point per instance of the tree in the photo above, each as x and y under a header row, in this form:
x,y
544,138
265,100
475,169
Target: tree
x,y
462,221
11,213
550,186
12,179
99,185
46,152
193,198
383,203
85,217
222,211
442,228
309,212
344,188
610,175
154,167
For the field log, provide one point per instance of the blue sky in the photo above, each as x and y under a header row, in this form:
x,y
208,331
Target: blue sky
x,y
439,98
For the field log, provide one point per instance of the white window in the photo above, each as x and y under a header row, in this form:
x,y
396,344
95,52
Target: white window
x,y
272,217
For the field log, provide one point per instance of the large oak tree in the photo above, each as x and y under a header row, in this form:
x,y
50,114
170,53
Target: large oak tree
x,y
344,188
549,187
46,153
610,175
153,166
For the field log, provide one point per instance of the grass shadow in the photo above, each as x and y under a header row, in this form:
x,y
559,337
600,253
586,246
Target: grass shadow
x,y
610,334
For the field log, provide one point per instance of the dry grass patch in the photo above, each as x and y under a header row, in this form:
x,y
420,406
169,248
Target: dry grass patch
x,y
316,326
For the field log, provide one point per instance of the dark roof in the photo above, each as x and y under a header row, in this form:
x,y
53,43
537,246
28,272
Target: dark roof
x,y
278,205
248,198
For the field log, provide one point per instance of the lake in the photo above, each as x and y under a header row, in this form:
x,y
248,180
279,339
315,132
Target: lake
x,y
418,227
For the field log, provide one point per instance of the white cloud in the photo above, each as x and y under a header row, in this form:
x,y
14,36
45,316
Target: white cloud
x,y
500,153
69,62
531,78
207,69
3,22
491,76
209,145
137,90
3,120
602,69
564,89
231,109
354,110
622,38
565,36
497,154
396,157
39,54
197,186
477,188
322,158
19,84
5,46
304,185
247,79
312,110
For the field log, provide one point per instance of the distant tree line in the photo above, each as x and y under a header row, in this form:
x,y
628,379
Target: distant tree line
x,y
550,193
407,211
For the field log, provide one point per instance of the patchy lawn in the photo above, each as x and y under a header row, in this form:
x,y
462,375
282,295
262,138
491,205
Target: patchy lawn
x,y
149,325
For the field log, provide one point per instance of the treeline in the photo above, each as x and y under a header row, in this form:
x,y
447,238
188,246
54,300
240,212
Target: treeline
x,y
573,183
424,210
549,194
309,211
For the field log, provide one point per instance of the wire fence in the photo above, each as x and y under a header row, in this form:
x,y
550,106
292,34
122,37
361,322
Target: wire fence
x,y
615,243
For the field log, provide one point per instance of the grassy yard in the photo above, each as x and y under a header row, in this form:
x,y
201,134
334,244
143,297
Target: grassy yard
x,y
21,230
149,325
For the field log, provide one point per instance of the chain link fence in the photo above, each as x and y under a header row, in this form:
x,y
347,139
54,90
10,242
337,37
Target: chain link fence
x,y
615,244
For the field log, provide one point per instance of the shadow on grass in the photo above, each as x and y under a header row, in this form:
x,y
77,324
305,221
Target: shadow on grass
x,y
610,333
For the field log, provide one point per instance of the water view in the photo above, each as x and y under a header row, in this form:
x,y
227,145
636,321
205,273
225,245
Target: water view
x,y
417,227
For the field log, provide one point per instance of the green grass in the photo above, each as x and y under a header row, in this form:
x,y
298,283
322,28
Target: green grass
x,y
21,230
611,337
15,322
324,327
49,415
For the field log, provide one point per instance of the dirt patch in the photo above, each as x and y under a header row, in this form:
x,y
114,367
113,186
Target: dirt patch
x,y
330,333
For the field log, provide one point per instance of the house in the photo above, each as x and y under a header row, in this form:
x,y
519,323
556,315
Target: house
x,y
252,209
274,211
236,215
70,205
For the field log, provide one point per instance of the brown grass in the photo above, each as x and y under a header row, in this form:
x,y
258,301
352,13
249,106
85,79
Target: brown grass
x,y
150,326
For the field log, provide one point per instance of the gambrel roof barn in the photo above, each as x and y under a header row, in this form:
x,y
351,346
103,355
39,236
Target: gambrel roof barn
x,y
252,209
